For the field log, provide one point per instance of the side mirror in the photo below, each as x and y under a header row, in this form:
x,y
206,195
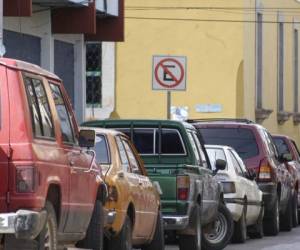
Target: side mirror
x,y
220,164
87,138
286,157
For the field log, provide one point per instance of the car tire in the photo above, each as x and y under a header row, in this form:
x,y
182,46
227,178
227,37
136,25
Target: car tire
x,y
222,234
47,239
295,210
95,232
123,241
257,231
192,242
158,241
272,223
286,219
240,229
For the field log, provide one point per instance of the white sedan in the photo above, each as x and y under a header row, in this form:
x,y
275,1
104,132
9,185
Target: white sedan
x,y
241,193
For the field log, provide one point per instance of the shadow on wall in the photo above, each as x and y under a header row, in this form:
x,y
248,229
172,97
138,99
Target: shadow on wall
x,y
240,91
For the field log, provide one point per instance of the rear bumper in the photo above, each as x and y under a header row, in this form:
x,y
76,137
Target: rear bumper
x,y
269,195
175,222
24,224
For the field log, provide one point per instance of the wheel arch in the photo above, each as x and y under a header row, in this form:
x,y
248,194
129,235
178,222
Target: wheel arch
x,y
54,196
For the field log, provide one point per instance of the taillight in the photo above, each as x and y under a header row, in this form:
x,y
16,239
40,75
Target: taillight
x,y
25,179
265,171
183,187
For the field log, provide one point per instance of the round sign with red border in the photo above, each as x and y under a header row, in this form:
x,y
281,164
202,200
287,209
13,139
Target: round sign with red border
x,y
169,73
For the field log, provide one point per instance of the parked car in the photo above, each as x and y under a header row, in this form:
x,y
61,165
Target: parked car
x,y
289,152
44,171
255,146
133,206
241,193
191,198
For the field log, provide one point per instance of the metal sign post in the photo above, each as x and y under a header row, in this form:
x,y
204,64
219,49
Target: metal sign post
x,y
169,73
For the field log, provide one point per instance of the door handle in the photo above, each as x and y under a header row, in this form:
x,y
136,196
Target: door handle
x,y
72,163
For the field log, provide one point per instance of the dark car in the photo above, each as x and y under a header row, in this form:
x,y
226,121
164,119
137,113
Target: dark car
x,y
289,152
256,147
191,198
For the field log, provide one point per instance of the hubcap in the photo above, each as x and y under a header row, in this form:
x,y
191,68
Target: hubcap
x,y
220,230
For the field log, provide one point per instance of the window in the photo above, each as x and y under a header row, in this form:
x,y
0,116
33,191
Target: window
x,y
144,140
133,161
171,142
259,61
195,148
281,67
296,71
63,114
123,155
236,164
101,149
215,154
40,111
94,75
281,146
240,139
200,148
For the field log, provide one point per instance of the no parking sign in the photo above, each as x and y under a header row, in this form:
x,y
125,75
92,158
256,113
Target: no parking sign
x,y
169,73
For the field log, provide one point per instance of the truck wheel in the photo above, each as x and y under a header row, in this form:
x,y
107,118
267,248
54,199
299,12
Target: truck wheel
x,y
271,223
286,220
123,241
295,210
192,242
94,235
47,239
257,231
158,241
221,235
240,230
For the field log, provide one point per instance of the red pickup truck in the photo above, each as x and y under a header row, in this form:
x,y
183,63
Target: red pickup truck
x,y
44,172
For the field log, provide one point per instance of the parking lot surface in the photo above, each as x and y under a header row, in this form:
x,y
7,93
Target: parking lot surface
x,y
284,241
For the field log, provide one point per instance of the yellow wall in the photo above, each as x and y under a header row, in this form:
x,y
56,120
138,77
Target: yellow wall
x,y
214,52
221,56
270,63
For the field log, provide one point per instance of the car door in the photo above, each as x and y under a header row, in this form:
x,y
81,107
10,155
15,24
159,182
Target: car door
x,y
148,205
251,190
81,203
134,183
210,185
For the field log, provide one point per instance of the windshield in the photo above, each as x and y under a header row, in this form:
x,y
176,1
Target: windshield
x,y
241,139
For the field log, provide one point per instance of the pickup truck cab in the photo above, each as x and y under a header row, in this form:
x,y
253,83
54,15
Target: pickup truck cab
x,y
132,197
43,169
175,158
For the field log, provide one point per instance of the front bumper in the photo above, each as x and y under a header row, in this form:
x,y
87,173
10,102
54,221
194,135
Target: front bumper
x,y
175,222
24,224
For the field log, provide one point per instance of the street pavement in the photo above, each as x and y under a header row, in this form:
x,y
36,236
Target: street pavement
x,y
284,241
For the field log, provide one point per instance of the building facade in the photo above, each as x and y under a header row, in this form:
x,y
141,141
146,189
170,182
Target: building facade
x,y
242,60
56,35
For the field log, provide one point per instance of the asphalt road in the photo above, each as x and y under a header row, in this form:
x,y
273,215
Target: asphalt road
x,y
284,241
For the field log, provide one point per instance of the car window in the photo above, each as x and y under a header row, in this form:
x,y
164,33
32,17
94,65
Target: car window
x,y
297,150
195,148
171,142
42,122
144,140
215,154
281,146
236,164
133,161
102,150
123,155
241,139
241,163
270,144
200,148
64,116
